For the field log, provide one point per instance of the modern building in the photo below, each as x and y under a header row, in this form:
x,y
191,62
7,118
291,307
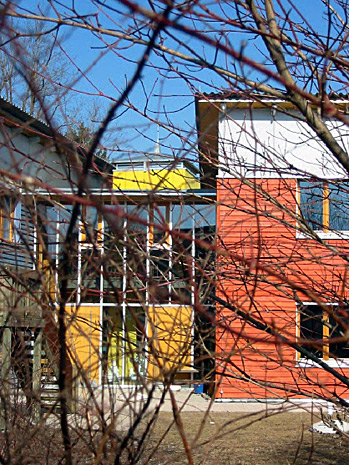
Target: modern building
x,y
135,286
282,264
152,276
39,176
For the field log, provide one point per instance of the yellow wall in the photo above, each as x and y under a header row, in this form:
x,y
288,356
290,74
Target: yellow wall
x,y
162,179
169,340
84,330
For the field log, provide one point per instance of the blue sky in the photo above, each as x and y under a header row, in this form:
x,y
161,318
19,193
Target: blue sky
x,y
161,94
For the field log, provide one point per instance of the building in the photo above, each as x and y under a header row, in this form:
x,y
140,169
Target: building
x,y
134,277
152,282
283,227
40,171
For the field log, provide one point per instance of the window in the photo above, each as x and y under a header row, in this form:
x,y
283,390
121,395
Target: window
x,y
323,325
90,276
63,216
47,221
160,274
113,264
158,166
6,215
134,253
124,344
91,225
130,166
10,216
325,205
183,221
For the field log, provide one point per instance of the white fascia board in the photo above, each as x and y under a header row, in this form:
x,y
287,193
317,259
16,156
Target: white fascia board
x,y
270,100
235,101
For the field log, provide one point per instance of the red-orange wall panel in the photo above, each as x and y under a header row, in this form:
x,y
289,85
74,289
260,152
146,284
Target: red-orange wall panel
x,y
261,266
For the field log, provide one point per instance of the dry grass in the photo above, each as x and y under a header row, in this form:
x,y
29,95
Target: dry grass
x,y
225,438
236,439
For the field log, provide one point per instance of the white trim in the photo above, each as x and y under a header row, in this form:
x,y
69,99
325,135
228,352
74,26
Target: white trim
x,y
87,304
274,400
169,215
332,362
324,235
169,305
270,100
111,304
317,303
101,307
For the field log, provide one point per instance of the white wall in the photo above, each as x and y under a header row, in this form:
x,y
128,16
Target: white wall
x,y
266,143
23,155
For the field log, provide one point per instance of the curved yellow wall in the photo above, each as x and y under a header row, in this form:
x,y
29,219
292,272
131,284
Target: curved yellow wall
x,y
176,179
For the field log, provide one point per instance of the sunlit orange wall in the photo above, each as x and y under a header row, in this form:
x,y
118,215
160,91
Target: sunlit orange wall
x,y
259,237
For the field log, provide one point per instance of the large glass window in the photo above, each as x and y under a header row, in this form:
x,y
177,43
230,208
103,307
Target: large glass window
x,y
51,230
6,217
113,343
125,344
323,330
205,276
134,345
47,229
159,225
90,286
152,266
338,197
159,254
325,206
90,224
64,215
183,217
113,265
205,258
135,238
159,273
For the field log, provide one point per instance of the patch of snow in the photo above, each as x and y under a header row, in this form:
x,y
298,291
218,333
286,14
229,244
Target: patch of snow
x,y
331,427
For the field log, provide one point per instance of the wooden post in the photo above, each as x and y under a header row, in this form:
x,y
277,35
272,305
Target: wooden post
x,y
75,389
5,375
37,354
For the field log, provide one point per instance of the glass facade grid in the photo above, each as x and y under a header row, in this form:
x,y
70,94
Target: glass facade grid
x,y
142,261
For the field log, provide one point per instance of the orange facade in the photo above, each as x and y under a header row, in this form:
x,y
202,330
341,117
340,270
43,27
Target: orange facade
x,y
269,270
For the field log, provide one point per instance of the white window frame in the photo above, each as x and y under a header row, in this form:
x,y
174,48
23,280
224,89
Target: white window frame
x,y
321,233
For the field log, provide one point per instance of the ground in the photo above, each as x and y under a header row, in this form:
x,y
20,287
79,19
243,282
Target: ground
x,y
231,434
247,439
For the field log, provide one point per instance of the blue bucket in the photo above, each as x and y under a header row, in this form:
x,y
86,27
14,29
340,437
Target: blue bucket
x,y
198,388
